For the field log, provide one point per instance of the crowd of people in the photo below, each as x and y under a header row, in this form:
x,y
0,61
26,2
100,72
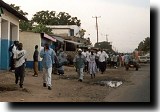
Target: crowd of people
x,y
87,60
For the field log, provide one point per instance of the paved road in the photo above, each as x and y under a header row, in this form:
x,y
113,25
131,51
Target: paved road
x,y
137,90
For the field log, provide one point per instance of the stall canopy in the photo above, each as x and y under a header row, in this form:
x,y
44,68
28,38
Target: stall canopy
x,y
49,37
73,42
59,39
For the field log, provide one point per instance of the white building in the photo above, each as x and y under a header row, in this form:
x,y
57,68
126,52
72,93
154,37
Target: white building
x,y
9,31
65,30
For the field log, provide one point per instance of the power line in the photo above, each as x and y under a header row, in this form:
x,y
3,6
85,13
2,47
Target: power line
x,y
97,26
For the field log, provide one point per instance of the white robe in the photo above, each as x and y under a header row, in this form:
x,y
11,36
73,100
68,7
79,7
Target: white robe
x,y
92,65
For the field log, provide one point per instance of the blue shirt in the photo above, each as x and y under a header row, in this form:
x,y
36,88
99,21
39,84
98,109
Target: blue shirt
x,y
48,58
80,61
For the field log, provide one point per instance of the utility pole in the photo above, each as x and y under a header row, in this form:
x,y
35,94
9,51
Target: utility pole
x,y
97,26
106,37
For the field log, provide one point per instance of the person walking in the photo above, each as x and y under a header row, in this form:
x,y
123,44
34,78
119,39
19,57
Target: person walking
x,y
20,59
88,53
12,49
92,65
79,62
97,59
62,60
48,56
35,59
102,61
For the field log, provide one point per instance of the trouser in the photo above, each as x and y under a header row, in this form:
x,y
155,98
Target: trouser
x,y
97,63
20,73
47,76
86,67
102,66
12,63
35,68
80,73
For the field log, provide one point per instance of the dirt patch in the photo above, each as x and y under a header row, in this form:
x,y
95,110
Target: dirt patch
x,y
64,88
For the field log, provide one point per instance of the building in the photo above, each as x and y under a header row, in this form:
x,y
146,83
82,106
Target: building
x,y
30,39
9,31
65,30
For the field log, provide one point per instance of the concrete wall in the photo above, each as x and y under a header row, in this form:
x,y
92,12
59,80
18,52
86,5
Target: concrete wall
x,y
58,29
29,40
9,28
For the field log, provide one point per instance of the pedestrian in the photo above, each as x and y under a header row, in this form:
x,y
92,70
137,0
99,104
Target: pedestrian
x,y
97,59
115,60
48,56
20,59
79,62
35,59
126,59
88,53
62,60
122,59
92,65
84,52
102,61
12,49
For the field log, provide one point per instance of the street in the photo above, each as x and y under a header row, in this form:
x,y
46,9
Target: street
x,y
135,87
137,91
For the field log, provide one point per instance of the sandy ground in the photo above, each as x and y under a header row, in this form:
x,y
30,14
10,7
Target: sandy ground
x,y
64,89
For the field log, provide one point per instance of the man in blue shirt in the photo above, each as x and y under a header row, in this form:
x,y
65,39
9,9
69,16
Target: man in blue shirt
x,y
48,56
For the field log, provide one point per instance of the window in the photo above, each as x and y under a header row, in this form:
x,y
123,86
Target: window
x,y
71,32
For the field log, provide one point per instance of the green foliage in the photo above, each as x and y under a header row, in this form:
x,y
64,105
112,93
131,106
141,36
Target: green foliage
x,y
42,29
144,45
43,18
50,18
104,45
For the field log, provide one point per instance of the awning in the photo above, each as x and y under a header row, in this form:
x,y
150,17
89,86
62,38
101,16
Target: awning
x,y
73,42
49,37
58,39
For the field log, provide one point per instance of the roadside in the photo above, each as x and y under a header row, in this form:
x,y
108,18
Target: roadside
x,y
65,89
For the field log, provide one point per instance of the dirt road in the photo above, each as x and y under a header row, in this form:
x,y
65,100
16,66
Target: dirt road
x,y
66,88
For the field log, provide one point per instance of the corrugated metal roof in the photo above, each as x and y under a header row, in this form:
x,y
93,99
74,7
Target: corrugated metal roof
x,y
59,39
73,42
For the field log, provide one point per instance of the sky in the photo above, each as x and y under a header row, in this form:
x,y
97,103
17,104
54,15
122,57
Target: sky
x,y
125,22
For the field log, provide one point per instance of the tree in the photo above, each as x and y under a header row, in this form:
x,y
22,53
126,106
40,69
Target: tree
x,y
50,18
23,25
82,33
144,45
42,29
45,18
104,45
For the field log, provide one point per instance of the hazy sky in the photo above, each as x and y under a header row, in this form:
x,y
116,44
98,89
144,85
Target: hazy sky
x,y
126,22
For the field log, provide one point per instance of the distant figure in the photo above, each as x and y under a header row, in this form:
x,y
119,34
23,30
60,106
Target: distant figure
x,y
48,56
62,60
88,53
97,59
12,49
35,59
103,61
85,54
20,59
126,59
92,65
79,62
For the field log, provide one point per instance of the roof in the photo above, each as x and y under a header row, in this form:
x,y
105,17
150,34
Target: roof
x,y
73,42
11,10
48,37
58,38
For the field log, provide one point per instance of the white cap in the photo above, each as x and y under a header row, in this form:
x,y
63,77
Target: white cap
x,y
79,49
